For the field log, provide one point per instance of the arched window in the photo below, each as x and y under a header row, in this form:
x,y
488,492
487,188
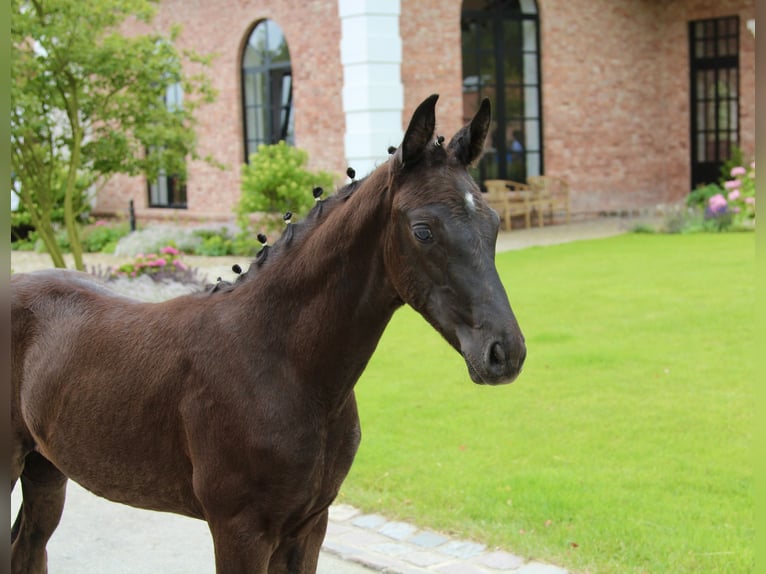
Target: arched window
x,y
501,61
267,88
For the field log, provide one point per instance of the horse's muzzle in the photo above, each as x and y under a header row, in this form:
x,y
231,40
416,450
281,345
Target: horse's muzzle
x,y
499,363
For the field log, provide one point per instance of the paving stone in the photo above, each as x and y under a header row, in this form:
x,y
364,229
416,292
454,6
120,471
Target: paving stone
x,y
335,547
462,549
334,529
540,568
424,558
371,521
391,548
501,560
341,512
461,568
363,538
379,562
398,530
428,539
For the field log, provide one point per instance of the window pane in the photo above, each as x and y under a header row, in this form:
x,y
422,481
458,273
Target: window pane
x,y
514,103
533,164
531,108
701,123
733,115
277,46
529,29
530,69
723,145
256,46
532,135
701,147
252,57
528,6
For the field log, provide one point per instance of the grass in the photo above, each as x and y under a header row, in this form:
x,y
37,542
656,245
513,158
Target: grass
x,y
625,445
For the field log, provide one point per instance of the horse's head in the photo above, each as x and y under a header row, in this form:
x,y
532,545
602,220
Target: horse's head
x,y
441,252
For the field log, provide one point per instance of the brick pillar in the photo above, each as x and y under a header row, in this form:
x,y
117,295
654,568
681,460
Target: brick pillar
x,y
373,96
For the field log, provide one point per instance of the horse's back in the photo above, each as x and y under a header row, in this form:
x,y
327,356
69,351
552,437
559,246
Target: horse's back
x,y
47,309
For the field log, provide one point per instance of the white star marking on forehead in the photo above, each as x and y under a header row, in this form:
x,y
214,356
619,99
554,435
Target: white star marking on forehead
x,y
470,202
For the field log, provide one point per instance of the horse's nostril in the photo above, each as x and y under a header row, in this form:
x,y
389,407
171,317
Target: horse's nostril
x,y
497,354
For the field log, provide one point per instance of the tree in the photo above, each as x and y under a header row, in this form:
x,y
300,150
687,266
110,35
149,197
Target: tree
x,y
87,102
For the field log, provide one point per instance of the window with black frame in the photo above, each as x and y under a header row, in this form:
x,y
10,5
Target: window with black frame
x,y
267,88
501,61
714,83
169,190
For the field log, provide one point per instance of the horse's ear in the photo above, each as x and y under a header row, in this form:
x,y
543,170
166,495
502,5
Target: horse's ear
x,y
468,143
420,131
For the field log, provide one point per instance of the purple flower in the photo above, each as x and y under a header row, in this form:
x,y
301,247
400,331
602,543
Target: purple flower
x,y
738,170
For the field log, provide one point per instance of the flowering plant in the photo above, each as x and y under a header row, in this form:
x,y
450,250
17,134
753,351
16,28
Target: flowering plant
x,y
735,205
165,265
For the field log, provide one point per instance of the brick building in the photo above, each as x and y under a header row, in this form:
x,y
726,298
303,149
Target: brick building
x,y
633,101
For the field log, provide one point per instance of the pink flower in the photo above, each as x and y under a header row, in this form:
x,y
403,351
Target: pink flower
x,y
733,184
717,201
752,165
179,265
140,256
734,195
169,250
739,170
750,200
101,222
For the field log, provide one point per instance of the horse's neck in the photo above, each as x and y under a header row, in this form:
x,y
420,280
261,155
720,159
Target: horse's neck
x,y
330,294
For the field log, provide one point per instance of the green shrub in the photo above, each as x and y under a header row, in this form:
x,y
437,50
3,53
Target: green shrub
x,y
275,181
215,244
103,237
700,196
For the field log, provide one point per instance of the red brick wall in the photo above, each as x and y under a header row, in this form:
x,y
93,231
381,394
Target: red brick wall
x,y
432,60
614,78
616,96
312,30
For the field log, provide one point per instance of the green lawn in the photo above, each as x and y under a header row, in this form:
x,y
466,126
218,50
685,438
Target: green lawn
x,y
625,445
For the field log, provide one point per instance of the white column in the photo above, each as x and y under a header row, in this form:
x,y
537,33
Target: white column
x,y
373,96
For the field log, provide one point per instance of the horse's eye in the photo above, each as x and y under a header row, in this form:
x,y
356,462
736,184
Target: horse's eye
x,y
423,233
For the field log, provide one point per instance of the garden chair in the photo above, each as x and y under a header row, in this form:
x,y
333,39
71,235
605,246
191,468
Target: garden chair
x,y
509,198
551,197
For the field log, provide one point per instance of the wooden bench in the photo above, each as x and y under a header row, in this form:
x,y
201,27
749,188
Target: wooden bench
x,y
551,196
510,198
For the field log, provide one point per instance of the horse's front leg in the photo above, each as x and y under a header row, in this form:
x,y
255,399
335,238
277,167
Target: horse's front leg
x,y
239,548
299,554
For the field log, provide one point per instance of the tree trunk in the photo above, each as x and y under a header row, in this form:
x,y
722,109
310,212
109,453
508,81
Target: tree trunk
x,y
44,229
70,220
